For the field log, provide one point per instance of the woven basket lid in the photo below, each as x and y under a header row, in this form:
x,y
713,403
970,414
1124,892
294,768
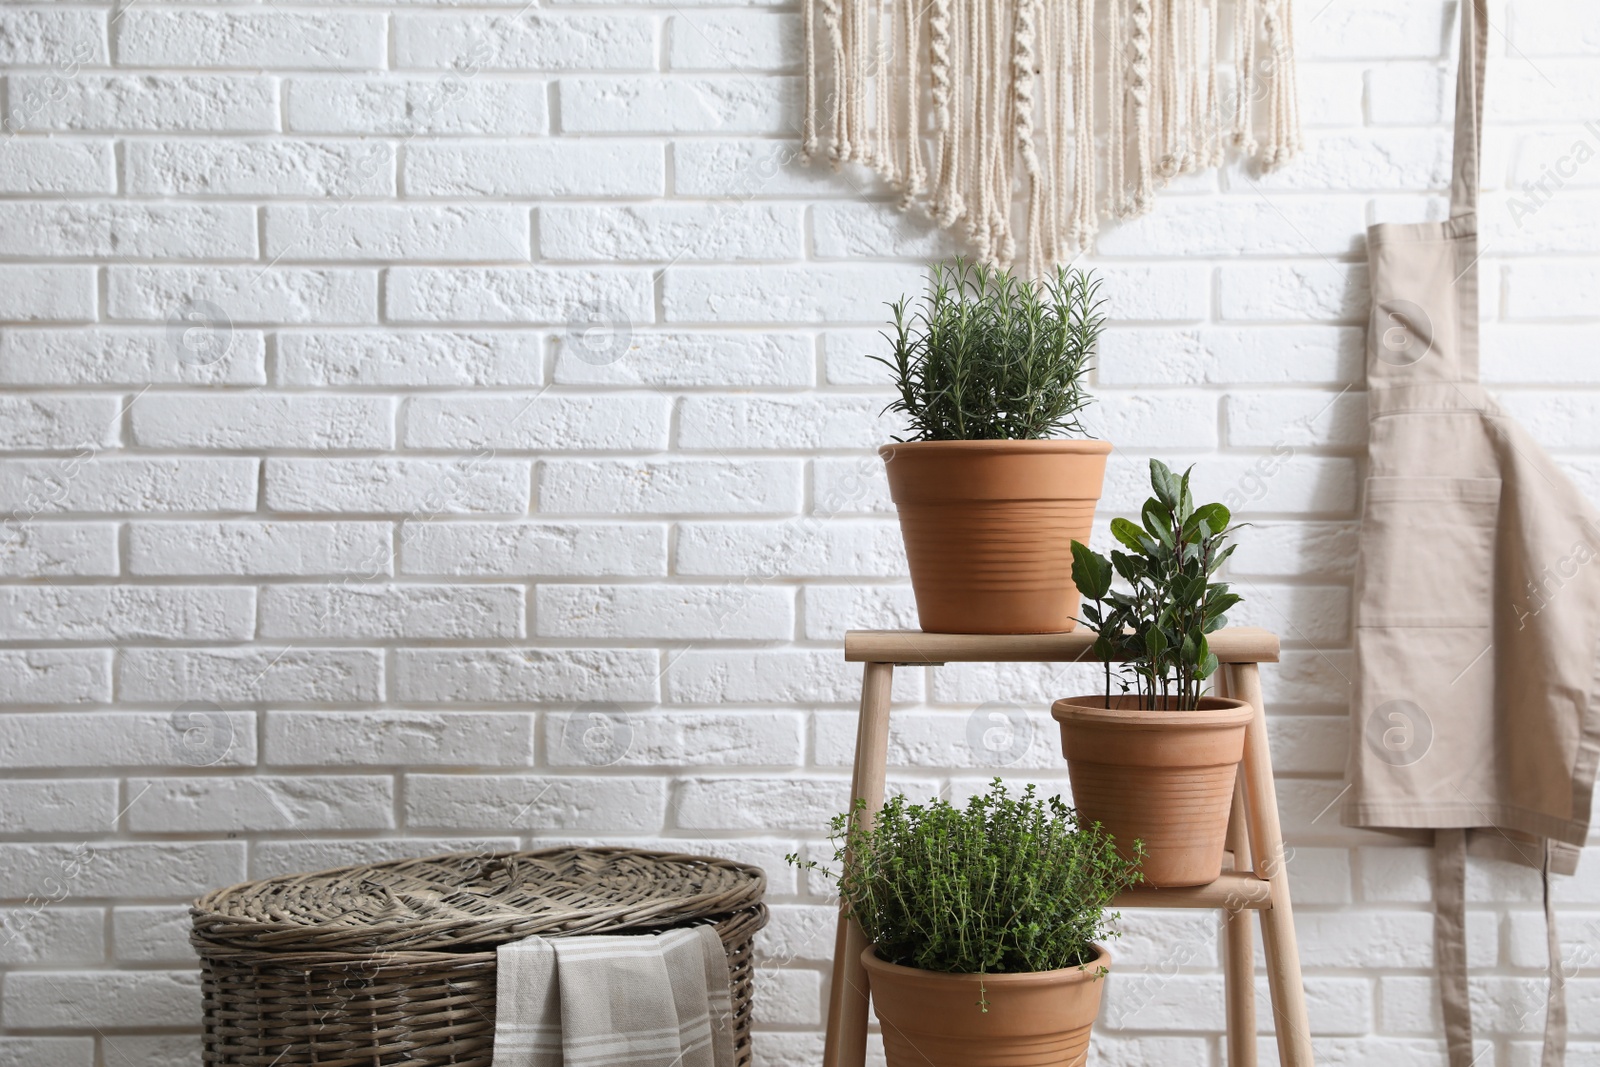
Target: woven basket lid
x,y
475,900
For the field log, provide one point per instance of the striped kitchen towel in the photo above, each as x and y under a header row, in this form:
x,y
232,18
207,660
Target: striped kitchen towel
x,y
644,1000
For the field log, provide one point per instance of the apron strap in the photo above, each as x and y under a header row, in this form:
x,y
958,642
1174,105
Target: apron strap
x,y
1555,1013
1450,941
1450,953
1469,107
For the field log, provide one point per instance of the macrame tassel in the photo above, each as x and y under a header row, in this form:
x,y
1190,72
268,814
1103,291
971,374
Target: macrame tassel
x,y
1116,111
1195,151
1003,144
1289,98
963,100
858,26
1283,121
883,156
839,135
972,115
1244,75
916,173
1084,219
1169,83
1024,61
1194,58
1212,119
808,123
1139,95
1058,47
947,205
1013,93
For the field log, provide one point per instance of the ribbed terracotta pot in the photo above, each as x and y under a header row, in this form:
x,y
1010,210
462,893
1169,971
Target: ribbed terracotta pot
x,y
1164,777
989,526
932,1019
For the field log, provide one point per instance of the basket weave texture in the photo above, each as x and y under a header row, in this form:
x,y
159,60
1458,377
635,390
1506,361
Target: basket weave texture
x,y
394,963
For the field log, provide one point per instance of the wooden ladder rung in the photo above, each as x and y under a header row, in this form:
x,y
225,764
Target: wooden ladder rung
x,y
1234,892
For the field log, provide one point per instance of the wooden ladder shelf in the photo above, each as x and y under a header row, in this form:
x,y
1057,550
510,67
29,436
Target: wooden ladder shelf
x,y
1258,881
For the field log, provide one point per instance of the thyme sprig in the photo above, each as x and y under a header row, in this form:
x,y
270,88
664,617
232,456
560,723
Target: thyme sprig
x,y
1003,885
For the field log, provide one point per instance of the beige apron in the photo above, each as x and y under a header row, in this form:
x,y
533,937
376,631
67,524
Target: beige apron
x,y
1477,590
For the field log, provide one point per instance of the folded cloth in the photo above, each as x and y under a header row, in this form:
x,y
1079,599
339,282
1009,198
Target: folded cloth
x,y
644,1000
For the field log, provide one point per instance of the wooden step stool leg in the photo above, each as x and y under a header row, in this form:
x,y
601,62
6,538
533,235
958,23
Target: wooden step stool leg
x,y
1278,941
1241,950
846,1044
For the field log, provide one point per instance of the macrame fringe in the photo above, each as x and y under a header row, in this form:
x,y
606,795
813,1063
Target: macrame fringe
x,y
1015,88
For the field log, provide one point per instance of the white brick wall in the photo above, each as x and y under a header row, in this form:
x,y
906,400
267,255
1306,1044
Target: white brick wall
x,y
428,426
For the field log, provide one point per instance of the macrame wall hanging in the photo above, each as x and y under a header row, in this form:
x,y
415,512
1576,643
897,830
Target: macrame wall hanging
x,y
1015,91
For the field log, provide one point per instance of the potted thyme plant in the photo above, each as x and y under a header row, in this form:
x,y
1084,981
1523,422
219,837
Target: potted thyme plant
x,y
1156,761
983,923
990,372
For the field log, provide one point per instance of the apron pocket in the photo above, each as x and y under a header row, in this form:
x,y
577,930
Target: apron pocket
x,y
1427,552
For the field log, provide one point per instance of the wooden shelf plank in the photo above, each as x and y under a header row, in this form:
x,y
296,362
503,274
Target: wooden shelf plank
x,y
1236,644
1232,891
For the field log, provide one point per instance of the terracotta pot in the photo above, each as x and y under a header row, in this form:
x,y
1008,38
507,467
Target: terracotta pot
x,y
989,527
1164,777
932,1019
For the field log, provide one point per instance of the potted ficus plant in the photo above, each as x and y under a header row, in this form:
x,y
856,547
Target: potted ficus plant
x,y
1156,761
996,477
983,922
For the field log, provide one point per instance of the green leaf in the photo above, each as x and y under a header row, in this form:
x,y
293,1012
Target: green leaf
x,y
1217,560
1091,572
1164,483
1215,516
1132,568
1188,590
1157,519
1219,602
1130,535
1190,650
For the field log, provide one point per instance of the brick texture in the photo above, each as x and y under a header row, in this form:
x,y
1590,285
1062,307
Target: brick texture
x,y
432,426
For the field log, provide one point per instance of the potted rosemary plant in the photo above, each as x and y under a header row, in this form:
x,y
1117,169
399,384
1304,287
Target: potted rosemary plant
x,y
983,922
991,372
1156,761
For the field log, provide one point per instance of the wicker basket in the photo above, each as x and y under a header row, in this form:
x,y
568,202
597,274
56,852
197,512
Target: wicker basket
x,y
394,963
